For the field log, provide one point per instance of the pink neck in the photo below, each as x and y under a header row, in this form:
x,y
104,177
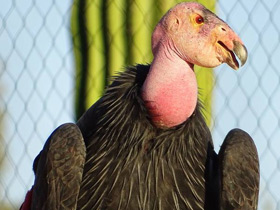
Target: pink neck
x,y
170,89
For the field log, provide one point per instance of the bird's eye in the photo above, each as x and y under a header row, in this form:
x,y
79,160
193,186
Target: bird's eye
x,y
199,20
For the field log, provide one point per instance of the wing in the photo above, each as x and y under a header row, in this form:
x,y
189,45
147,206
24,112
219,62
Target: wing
x,y
58,170
239,171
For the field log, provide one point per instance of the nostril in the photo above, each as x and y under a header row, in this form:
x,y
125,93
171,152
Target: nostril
x,y
223,29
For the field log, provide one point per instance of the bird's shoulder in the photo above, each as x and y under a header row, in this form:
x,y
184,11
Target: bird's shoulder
x,y
239,170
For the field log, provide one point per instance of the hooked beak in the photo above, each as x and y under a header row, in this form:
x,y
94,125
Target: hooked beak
x,y
229,54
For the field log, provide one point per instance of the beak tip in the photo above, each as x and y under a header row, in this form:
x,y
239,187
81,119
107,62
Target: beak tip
x,y
240,51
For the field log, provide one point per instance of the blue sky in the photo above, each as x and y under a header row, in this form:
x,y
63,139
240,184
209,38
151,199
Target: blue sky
x,y
36,86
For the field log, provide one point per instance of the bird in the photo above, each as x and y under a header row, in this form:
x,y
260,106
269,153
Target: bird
x,y
145,144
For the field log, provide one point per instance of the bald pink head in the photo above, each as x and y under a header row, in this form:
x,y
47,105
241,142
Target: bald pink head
x,y
199,36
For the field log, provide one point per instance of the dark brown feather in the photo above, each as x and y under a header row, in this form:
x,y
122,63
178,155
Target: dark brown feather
x,y
58,170
239,168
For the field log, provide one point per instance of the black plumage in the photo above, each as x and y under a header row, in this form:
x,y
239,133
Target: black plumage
x,y
131,164
58,170
239,172
154,168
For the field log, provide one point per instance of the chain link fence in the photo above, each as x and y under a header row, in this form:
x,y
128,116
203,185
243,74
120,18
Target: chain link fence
x,y
37,83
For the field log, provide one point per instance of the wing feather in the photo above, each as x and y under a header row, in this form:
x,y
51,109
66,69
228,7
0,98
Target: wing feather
x,y
239,170
58,169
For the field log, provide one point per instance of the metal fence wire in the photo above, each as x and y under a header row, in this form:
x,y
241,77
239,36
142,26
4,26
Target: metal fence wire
x,y
37,85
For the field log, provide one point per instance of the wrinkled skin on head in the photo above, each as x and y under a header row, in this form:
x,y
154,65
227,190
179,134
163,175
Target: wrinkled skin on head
x,y
195,33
